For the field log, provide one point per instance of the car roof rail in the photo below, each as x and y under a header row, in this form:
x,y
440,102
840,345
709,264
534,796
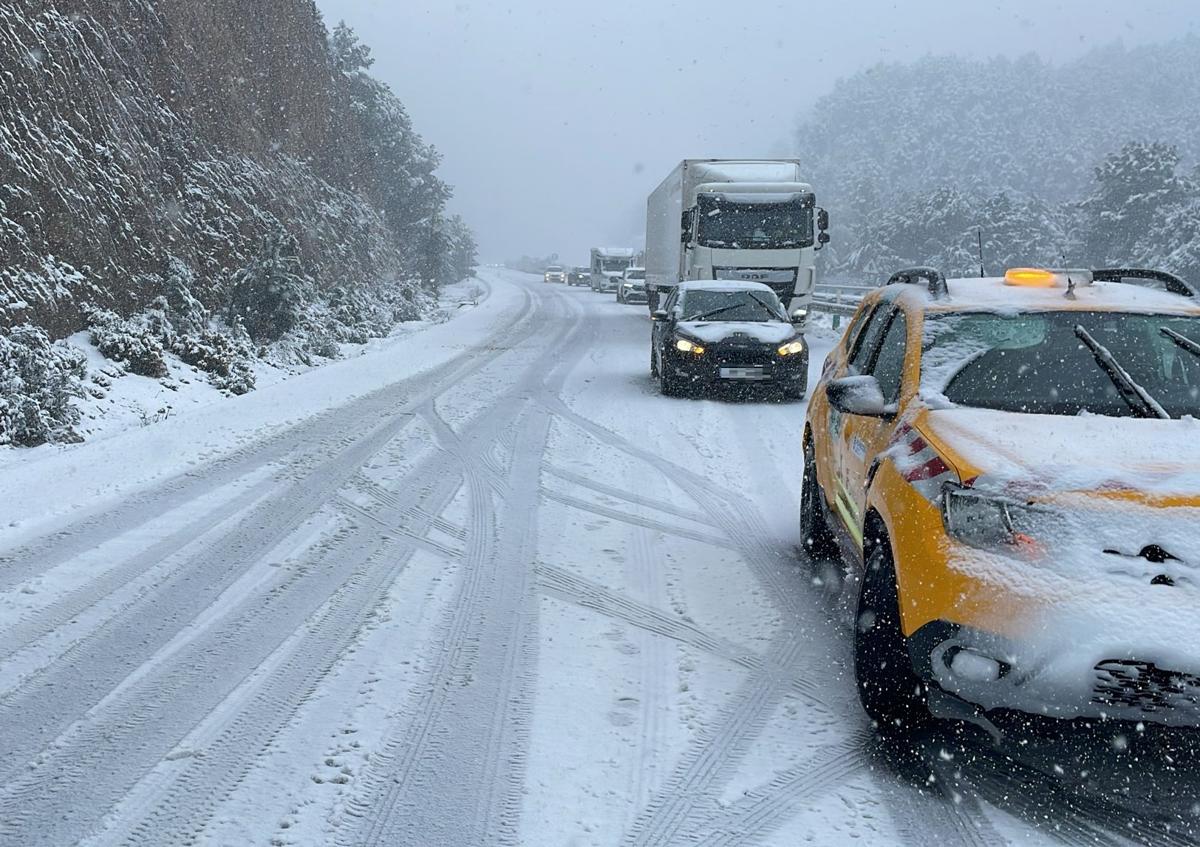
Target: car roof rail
x,y
1174,284
935,278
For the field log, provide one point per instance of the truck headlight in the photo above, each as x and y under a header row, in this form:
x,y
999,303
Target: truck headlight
x,y
792,348
685,346
987,522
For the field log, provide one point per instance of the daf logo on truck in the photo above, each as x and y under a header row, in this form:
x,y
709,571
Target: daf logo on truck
x,y
752,220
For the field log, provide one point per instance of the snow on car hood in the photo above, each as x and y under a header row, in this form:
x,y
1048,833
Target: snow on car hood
x,y
1042,454
714,332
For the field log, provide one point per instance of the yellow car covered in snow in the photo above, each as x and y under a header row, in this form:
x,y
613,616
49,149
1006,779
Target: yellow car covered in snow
x,y
1011,469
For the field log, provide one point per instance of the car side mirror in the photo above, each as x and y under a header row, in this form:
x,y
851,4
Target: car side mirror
x,y
659,315
857,395
799,316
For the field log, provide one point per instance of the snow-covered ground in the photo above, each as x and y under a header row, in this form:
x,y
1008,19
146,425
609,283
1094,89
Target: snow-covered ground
x,y
479,585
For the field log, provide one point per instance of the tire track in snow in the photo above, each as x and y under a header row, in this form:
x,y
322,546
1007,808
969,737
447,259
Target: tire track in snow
x,y
716,751
451,769
55,616
321,641
768,807
621,494
296,446
638,521
567,586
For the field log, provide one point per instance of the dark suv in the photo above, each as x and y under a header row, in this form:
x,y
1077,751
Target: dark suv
x,y
725,332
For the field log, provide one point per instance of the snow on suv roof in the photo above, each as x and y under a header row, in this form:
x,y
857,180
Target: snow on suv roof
x,y
724,285
993,294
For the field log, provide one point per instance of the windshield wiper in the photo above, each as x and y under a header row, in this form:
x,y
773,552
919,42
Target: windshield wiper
x,y
770,309
1143,405
714,312
1182,341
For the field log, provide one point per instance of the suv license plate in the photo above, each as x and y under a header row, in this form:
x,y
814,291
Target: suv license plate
x,y
742,373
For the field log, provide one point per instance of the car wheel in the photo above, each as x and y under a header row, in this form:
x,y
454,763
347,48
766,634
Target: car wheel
x,y
815,535
669,384
797,390
890,691
653,363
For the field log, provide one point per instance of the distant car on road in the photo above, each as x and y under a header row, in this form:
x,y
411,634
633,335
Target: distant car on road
x,y
633,286
579,276
1010,470
726,332
554,273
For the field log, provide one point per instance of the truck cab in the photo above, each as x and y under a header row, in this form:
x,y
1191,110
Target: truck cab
x,y
608,266
737,220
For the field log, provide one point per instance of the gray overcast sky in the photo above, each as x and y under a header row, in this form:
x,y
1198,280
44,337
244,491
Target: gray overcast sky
x,y
556,118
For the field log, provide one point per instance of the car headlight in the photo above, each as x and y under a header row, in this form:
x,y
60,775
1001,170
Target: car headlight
x,y
988,522
792,348
685,346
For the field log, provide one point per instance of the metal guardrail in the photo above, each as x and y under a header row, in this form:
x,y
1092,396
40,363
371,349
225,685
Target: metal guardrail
x,y
837,299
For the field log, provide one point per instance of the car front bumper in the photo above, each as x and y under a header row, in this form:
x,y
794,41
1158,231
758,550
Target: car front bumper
x,y
718,366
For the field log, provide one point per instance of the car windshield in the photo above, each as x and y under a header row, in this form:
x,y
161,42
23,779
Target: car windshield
x,y
635,273
554,269
746,222
1036,362
731,305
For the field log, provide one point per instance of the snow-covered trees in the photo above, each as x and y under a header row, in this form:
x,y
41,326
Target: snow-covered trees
x,y
268,295
911,158
38,381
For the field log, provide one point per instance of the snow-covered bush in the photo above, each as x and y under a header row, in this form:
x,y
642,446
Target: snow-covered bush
x,y
269,294
137,342
225,358
38,382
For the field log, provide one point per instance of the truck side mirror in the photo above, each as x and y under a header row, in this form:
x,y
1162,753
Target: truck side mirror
x,y
822,226
685,226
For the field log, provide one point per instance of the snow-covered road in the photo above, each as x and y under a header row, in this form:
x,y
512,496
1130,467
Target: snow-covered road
x,y
482,587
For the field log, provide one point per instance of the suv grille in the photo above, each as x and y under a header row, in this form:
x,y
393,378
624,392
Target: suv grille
x,y
1146,687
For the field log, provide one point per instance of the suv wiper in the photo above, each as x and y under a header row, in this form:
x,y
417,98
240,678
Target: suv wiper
x,y
1182,341
714,312
1143,405
770,309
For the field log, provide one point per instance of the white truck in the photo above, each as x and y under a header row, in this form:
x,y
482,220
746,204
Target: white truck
x,y
738,219
608,264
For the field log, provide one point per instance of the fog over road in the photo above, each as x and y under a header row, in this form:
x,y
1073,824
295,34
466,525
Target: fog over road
x,y
516,599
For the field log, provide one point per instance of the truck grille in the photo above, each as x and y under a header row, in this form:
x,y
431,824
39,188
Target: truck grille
x,y
1145,687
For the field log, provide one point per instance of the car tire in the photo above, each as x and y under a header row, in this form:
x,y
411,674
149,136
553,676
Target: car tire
x,y
797,390
816,537
668,384
653,363
888,688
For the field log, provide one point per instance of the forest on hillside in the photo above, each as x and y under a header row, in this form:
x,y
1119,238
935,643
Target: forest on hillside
x,y
1091,162
219,182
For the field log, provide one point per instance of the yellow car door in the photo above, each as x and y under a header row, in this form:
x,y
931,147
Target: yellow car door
x,y
879,352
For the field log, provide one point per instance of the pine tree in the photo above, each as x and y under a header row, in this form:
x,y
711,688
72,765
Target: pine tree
x,y
1132,187
268,295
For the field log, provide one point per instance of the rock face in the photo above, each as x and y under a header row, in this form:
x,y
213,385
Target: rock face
x,y
137,133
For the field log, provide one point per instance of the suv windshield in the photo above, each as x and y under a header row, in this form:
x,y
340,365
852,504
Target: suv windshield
x,y
1035,362
764,223
732,306
635,273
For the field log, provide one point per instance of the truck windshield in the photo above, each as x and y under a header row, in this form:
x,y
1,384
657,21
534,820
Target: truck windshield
x,y
609,263
745,223
1034,362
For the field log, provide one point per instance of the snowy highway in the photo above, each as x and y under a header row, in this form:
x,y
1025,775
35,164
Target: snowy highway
x,y
484,587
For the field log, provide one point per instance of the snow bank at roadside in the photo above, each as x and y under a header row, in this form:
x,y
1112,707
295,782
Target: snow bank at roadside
x,y
42,485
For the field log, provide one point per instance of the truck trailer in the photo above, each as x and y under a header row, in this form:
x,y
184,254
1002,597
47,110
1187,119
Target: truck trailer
x,y
738,219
